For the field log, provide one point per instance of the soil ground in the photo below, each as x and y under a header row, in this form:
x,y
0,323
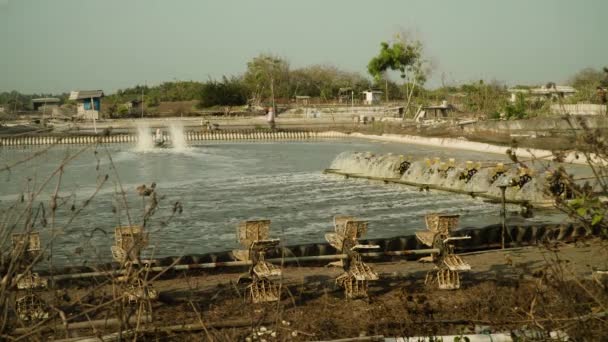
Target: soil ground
x,y
540,288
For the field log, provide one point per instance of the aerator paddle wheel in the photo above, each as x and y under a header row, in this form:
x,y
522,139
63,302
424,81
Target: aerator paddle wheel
x,y
445,167
255,236
356,274
524,177
497,172
26,251
404,164
129,241
447,264
471,170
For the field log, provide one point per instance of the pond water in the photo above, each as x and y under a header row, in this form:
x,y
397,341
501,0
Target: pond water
x,y
218,185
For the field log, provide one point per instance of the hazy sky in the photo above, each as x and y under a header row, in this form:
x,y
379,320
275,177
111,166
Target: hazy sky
x,y
61,45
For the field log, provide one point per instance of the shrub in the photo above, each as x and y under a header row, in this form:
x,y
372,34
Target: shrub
x,y
228,92
517,110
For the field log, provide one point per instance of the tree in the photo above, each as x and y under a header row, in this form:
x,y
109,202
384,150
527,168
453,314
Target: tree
x,y
588,77
228,92
403,54
586,82
267,76
325,81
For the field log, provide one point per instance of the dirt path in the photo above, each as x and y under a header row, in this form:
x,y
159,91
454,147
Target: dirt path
x,y
542,288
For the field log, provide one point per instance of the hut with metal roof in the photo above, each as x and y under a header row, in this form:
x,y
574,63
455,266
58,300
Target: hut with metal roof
x,y
89,103
371,97
436,113
45,104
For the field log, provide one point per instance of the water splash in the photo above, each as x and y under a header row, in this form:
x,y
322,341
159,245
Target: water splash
x,y
178,139
144,138
422,172
369,164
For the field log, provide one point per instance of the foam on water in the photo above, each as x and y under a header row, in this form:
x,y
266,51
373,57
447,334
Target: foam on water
x,y
387,166
178,139
144,138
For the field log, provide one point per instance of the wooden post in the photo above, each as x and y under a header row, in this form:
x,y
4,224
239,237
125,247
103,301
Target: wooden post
x,y
93,109
272,94
385,88
503,214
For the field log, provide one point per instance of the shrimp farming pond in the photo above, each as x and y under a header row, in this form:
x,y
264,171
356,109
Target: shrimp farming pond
x,y
206,189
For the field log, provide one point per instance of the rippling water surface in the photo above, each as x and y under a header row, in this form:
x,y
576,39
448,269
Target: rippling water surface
x,y
218,185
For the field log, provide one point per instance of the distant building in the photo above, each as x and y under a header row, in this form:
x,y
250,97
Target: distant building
x,y
302,100
46,104
549,91
441,112
134,106
553,91
371,97
89,103
346,95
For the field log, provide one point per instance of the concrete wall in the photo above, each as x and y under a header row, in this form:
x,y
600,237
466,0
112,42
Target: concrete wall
x,y
340,112
463,144
556,123
579,109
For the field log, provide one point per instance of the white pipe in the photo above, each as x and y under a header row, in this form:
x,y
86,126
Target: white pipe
x,y
470,338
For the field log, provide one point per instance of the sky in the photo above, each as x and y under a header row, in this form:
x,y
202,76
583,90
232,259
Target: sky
x,y
61,45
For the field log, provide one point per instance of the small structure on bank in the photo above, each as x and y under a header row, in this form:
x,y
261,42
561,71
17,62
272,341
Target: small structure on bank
x,y
134,106
372,97
46,104
345,240
436,113
550,91
302,100
447,264
346,96
255,236
88,103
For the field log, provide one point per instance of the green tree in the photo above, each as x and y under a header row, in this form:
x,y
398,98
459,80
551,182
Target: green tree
x,y
404,55
325,81
518,109
227,92
484,97
267,77
586,82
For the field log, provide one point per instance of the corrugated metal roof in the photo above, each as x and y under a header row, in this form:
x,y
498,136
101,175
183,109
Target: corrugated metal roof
x,y
46,100
85,94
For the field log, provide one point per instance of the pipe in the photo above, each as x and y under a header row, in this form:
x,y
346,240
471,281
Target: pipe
x,y
501,337
185,267
100,323
435,187
172,328
361,338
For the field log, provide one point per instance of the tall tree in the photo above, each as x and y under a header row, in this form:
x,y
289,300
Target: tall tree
x,y
325,81
586,81
267,76
404,55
